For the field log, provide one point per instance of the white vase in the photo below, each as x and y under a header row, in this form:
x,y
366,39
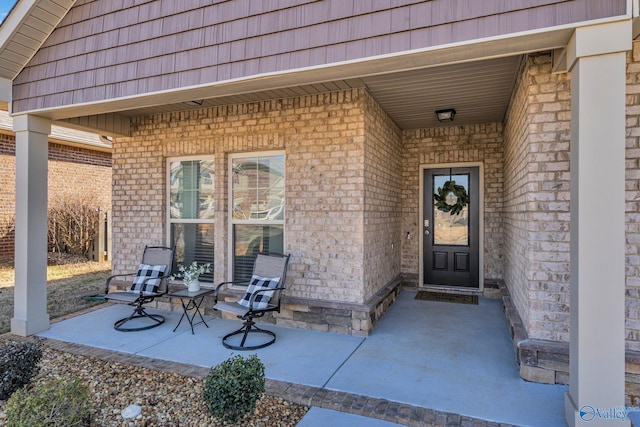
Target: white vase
x,y
193,286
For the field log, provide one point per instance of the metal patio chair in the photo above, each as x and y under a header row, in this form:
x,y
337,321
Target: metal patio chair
x,y
263,295
148,283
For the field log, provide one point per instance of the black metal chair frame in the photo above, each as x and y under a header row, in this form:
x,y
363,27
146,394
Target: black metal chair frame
x,y
138,300
248,314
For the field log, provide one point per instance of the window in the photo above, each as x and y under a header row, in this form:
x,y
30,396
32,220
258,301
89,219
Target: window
x,y
191,210
257,209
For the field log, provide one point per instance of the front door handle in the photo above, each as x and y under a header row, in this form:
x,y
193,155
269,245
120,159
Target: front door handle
x,y
426,232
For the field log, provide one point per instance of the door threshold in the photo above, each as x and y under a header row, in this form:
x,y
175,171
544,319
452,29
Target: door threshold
x,y
450,289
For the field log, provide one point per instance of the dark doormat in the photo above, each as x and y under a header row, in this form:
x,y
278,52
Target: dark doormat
x,y
445,297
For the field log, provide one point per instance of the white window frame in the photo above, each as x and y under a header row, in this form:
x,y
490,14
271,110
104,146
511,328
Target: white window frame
x,y
208,157
231,222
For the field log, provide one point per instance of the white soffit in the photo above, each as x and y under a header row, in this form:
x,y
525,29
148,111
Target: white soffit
x,y
64,135
24,30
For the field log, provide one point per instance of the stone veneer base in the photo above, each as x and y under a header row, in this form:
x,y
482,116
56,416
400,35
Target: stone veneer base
x,y
321,315
547,362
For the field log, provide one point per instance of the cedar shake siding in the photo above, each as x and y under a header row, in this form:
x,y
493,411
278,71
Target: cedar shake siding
x,y
107,49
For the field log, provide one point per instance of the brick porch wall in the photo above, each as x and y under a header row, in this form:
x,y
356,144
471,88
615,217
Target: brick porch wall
x,y
326,142
383,175
536,196
454,144
72,170
539,115
516,133
633,200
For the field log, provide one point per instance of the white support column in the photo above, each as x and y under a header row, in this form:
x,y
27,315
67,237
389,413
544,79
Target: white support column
x,y
596,58
30,298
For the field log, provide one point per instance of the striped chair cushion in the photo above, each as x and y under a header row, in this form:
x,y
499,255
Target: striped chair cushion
x,y
263,298
148,271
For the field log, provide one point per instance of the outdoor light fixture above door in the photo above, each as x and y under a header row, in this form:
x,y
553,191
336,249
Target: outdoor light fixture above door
x,y
446,115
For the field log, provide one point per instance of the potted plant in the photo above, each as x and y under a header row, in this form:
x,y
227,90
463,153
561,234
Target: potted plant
x,y
191,273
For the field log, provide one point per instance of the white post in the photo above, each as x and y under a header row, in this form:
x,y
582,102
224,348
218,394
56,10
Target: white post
x,y
30,298
597,63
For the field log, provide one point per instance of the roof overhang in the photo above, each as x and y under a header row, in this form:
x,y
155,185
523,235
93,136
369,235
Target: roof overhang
x,y
110,116
64,135
369,72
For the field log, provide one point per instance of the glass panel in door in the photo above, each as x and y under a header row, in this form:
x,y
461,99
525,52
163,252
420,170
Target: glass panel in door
x,y
451,229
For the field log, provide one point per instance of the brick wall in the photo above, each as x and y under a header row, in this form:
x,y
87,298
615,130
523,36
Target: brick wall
x,y
325,142
72,170
81,171
7,192
138,198
632,187
325,225
383,175
537,222
536,194
516,135
454,144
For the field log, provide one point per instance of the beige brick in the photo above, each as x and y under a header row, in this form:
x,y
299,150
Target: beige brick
x,y
340,329
562,378
632,368
164,305
284,314
297,307
538,375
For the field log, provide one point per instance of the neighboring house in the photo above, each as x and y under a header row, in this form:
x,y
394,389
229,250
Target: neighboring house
x,y
79,166
309,127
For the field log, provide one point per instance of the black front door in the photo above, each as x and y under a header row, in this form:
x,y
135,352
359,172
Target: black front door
x,y
451,227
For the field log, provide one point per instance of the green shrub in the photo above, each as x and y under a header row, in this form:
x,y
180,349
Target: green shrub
x,y
18,364
54,403
232,388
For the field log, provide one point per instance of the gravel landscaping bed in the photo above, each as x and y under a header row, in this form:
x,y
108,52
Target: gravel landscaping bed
x,y
166,399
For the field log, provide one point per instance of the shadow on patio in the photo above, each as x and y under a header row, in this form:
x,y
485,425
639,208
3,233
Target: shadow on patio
x,y
424,357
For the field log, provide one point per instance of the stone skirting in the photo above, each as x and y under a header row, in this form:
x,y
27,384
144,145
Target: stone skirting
x,y
321,315
540,361
548,361
332,316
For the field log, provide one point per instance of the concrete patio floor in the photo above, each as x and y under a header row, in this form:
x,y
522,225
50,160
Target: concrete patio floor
x,y
452,358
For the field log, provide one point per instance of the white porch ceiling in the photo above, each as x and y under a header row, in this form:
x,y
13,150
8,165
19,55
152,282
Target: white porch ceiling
x,y
478,91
